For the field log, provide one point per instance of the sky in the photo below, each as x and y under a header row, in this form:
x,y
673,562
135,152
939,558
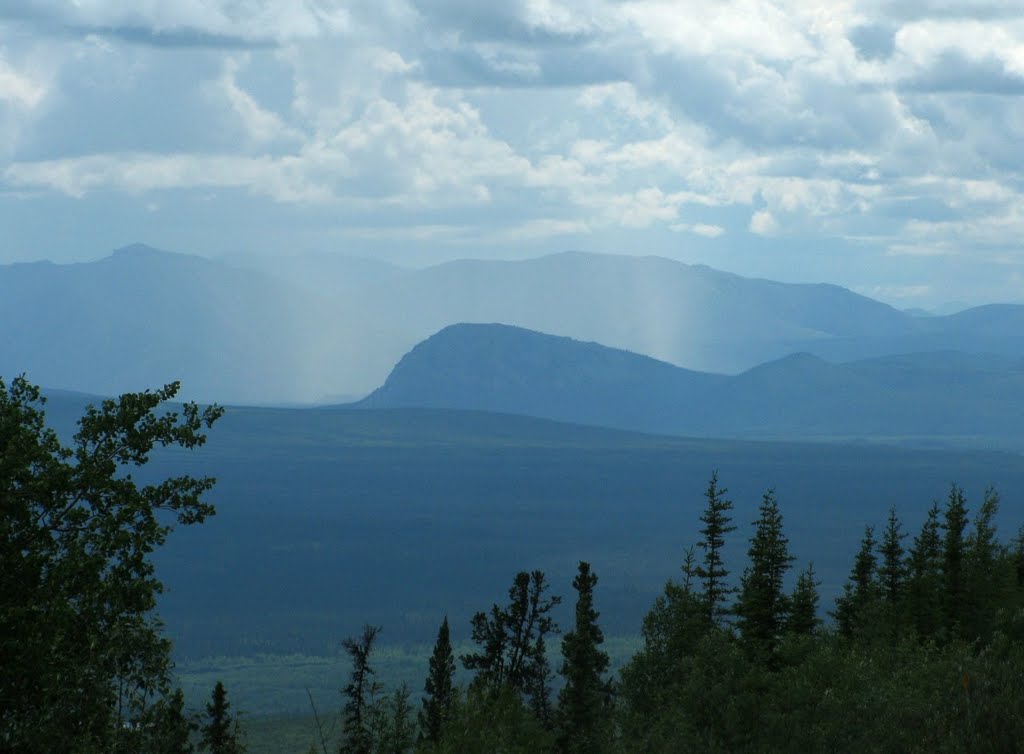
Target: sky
x,y
872,144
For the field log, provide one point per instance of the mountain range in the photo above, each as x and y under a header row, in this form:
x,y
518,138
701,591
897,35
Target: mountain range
x,y
498,368
321,328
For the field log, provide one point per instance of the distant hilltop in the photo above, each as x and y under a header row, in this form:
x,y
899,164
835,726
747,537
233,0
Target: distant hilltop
x,y
298,329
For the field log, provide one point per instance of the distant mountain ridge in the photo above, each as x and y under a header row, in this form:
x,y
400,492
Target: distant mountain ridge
x,y
298,329
511,370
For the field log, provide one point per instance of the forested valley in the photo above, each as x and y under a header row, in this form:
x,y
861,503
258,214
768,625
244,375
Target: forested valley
x,y
921,652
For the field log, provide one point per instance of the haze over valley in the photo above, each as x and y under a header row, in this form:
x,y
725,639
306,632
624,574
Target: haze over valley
x,y
556,376
325,329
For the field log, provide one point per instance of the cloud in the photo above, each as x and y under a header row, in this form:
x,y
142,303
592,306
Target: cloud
x,y
700,229
187,23
894,127
763,224
262,126
18,89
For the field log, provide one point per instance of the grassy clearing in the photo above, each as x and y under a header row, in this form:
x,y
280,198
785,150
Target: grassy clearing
x,y
272,692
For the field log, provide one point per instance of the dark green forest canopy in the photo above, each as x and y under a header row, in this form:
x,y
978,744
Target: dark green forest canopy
x,y
335,493
931,616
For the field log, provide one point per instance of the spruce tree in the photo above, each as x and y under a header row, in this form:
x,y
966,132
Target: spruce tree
x,y
439,688
925,577
584,701
855,608
357,732
712,573
762,606
220,733
893,573
1017,554
953,547
803,612
672,630
982,580
392,725
511,642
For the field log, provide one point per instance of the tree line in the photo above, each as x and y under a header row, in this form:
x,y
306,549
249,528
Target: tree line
x,y
924,649
924,652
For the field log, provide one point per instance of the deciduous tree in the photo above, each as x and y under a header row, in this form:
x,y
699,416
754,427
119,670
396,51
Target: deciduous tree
x,y
82,655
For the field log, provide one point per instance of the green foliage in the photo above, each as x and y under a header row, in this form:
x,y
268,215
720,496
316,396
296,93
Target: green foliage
x,y
953,547
392,725
439,688
221,733
83,663
856,609
925,587
585,700
803,618
984,578
512,644
672,630
892,575
844,690
357,731
712,571
763,606
494,720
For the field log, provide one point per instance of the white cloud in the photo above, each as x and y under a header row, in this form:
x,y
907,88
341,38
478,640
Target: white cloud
x,y
137,173
252,19
700,229
261,125
896,126
898,292
19,89
763,224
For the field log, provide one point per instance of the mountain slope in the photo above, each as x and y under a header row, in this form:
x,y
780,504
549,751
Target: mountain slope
x,y
507,369
306,328
141,317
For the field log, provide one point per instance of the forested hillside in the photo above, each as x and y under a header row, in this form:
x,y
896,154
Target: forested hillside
x,y
923,649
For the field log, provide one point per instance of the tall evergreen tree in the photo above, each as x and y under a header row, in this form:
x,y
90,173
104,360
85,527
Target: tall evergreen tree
x,y
672,630
171,728
712,572
982,580
803,612
584,701
925,577
357,731
953,547
220,733
511,643
392,725
892,574
855,608
439,687
762,606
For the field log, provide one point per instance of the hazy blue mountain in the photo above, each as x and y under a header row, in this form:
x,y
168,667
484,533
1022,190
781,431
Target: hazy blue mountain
x,y
317,327
691,316
513,370
142,317
508,369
